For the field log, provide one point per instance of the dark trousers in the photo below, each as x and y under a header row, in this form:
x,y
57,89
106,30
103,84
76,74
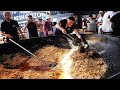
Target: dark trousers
x,y
33,33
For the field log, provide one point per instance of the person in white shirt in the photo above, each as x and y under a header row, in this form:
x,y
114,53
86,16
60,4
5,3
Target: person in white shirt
x,y
40,27
106,25
54,27
99,22
91,24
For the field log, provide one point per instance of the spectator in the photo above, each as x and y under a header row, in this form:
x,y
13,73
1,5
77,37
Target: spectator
x,y
54,27
84,23
40,28
78,20
31,25
99,22
116,23
48,27
95,17
91,25
106,25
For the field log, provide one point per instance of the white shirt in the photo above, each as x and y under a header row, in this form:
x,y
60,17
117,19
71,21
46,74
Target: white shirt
x,y
106,25
54,29
91,26
100,19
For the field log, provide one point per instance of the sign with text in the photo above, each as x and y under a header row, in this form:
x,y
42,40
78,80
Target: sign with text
x,y
21,16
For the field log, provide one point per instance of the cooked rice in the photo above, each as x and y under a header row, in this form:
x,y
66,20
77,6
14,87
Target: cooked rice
x,y
83,67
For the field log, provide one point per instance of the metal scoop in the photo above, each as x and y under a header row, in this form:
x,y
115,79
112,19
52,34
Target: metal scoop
x,y
76,43
73,40
50,65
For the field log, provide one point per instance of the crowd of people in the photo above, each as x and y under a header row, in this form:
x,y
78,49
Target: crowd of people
x,y
36,28
105,22
40,28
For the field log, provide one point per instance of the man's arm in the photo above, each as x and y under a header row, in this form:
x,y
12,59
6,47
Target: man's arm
x,y
19,29
25,27
76,31
3,31
77,34
83,41
58,25
7,35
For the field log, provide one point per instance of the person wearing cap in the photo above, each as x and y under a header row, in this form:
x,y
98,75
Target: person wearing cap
x,y
67,26
31,25
99,22
10,27
48,27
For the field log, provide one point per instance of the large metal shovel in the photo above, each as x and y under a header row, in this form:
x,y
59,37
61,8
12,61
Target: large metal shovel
x,y
89,51
76,43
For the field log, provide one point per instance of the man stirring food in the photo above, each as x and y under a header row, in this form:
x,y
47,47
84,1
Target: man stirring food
x,y
67,26
10,27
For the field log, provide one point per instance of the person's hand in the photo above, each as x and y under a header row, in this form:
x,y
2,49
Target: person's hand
x,y
8,35
81,40
64,31
46,29
39,30
23,37
77,40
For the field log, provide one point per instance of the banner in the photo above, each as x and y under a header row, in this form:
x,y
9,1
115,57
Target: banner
x,y
21,16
